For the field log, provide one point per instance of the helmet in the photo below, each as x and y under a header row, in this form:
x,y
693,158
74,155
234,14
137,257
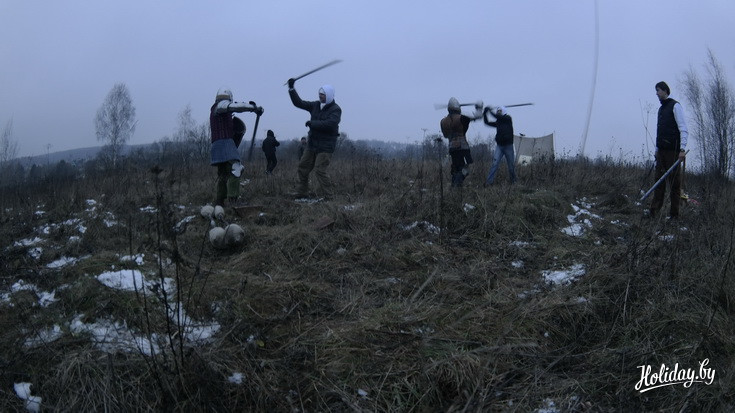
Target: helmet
x,y
223,93
453,105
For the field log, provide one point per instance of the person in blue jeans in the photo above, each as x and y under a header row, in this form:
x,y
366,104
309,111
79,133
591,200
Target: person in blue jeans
x,y
504,142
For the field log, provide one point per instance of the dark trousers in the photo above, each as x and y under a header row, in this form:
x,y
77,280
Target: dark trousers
x,y
228,185
460,158
664,160
271,162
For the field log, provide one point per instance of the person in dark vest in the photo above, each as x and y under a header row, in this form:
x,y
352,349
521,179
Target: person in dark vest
x,y
503,143
269,148
454,127
671,141
325,115
227,132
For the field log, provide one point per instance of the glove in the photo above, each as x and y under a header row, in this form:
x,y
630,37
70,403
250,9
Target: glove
x,y
291,83
308,124
259,110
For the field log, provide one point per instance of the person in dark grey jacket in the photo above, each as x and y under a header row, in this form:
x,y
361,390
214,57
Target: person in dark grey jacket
x,y
323,124
504,143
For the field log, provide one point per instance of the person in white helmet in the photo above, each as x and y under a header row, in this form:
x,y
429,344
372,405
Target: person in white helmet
x,y
227,131
325,115
454,127
504,143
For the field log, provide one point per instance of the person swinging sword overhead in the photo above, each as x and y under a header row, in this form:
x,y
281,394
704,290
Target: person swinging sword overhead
x,y
454,127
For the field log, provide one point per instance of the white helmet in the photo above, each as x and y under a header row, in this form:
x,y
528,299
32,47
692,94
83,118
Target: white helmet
x,y
453,105
222,94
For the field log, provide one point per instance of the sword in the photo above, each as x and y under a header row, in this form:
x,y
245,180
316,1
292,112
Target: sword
x,y
438,106
255,130
333,62
678,161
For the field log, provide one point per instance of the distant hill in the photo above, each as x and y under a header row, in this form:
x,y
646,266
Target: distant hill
x,y
71,155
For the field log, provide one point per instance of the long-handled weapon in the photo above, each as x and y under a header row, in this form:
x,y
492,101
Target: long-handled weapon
x,y
438,106
673,167
255,130
333,62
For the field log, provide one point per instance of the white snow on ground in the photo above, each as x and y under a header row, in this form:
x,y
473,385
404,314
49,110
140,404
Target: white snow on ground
x,y
577,221
28,242
468,207
44,298
431,228
132,280
548,407
563,277
44,336
138,258
61,262
92,205
109,220
308,200
236,378
35,253
112,336
181,225
23,391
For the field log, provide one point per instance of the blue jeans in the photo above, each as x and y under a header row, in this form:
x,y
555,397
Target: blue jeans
x,y
500,152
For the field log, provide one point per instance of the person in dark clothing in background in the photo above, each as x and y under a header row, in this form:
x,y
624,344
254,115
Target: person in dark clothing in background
x,y
504,142
671,142
269,148
454,127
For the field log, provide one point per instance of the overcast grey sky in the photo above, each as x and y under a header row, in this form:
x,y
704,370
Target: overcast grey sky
x,y
61,58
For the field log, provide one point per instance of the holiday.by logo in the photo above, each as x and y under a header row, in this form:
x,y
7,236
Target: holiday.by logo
x,y
667,377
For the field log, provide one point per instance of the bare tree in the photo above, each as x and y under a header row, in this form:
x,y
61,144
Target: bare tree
x,y
712,108
115,120
8,146
192,138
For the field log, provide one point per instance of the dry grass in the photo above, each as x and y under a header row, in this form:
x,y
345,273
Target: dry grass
x,y
373,313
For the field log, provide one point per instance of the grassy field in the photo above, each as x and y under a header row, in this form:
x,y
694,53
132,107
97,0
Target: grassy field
x,y
399,295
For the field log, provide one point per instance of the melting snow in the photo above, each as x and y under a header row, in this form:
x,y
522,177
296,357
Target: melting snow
x,y
61,262
236,378
112,336
422,224
45,336
27,242
32,403
563,277
576,228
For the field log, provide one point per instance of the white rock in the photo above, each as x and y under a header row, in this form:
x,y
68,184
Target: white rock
x,y
207,211
217,237
219,212
234,235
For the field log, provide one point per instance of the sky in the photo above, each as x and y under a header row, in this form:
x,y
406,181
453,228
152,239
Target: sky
x,y
399,59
